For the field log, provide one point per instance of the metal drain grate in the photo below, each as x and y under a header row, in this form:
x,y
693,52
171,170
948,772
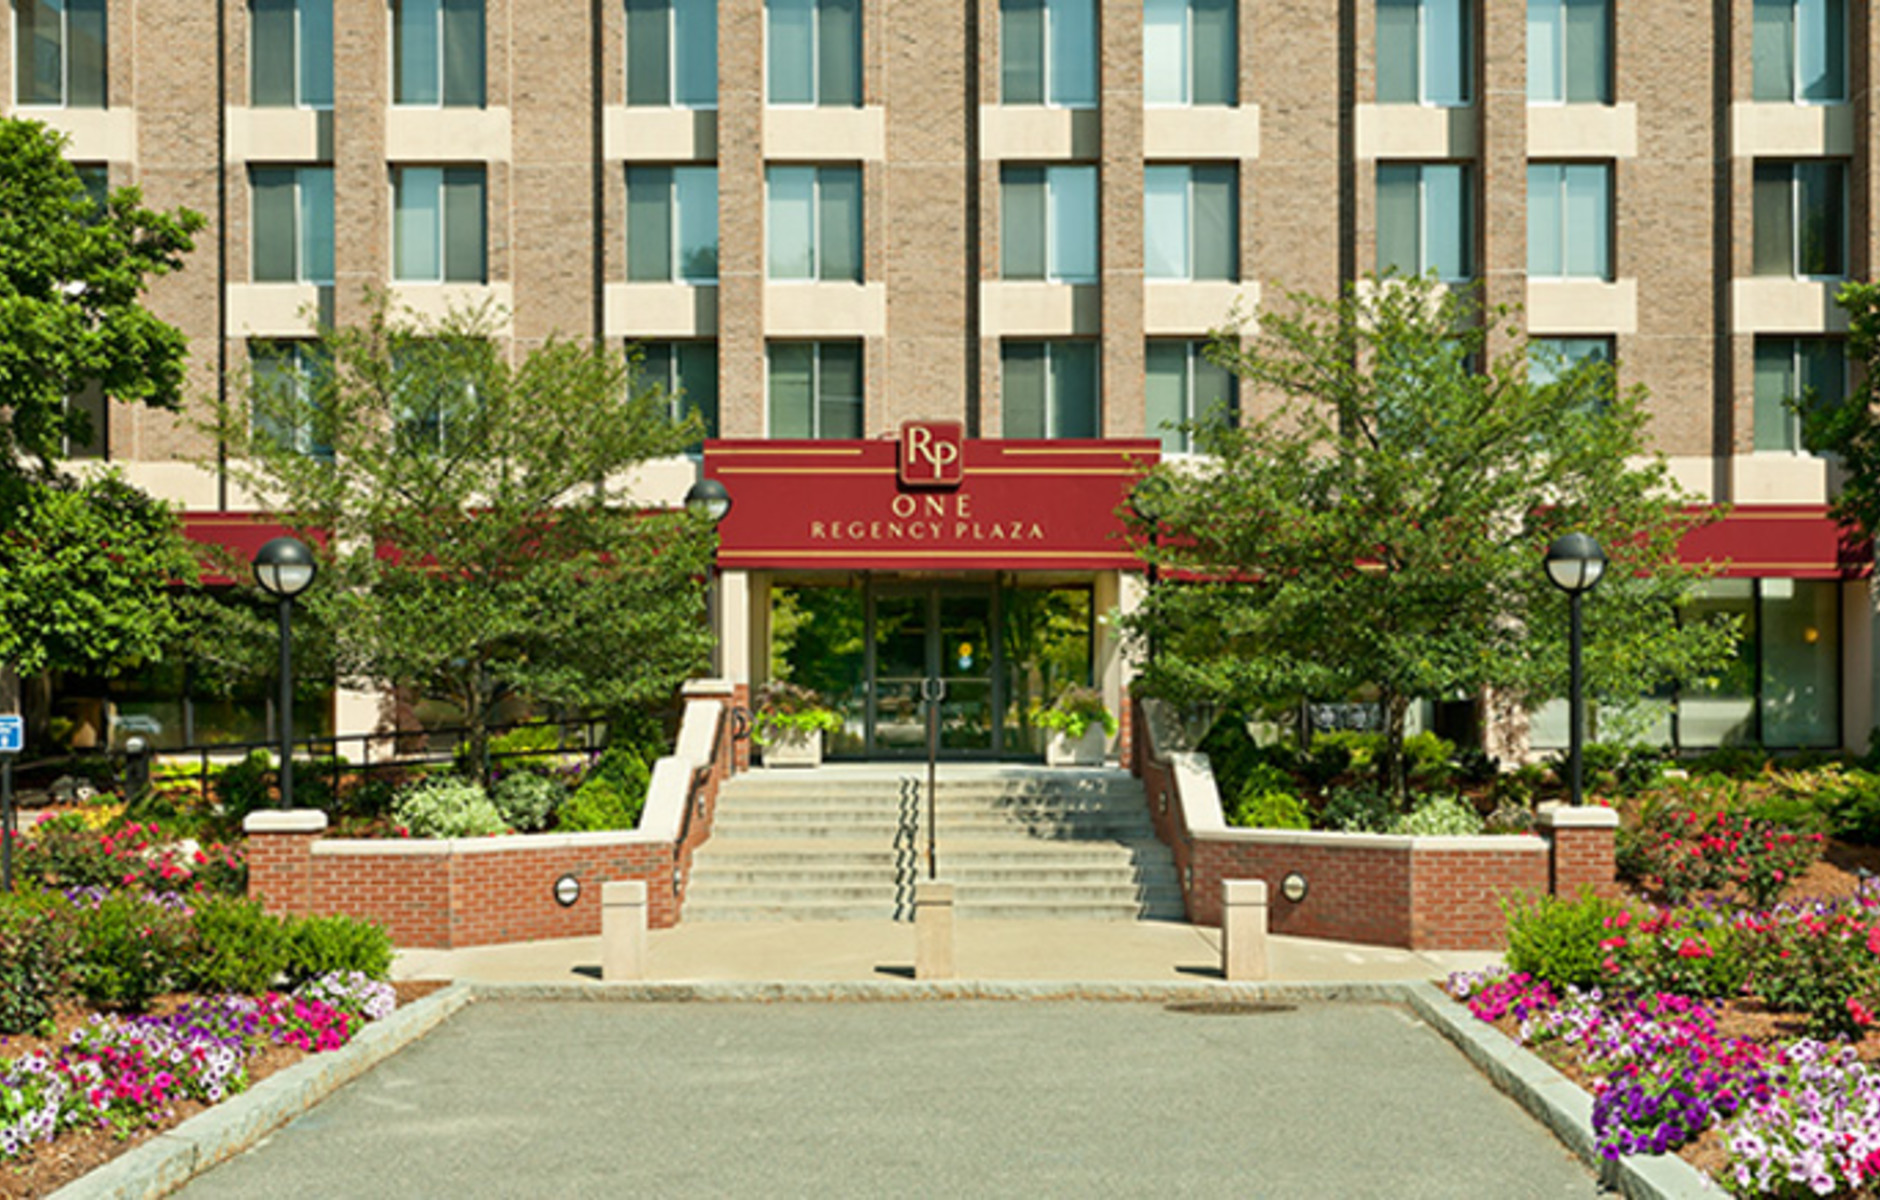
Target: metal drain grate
x,y
1228,1008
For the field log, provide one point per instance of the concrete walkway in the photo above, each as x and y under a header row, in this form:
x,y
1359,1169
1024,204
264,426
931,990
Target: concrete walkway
x,y
833,951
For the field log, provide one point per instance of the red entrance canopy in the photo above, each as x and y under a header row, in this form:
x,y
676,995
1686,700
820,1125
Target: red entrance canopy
x,y
1793,541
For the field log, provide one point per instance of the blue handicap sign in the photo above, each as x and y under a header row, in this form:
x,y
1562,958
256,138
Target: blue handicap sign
x,y
12,734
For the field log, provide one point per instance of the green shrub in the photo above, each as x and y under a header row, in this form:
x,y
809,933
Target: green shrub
x,y
234,946
36,951
526,799
1734,762
1429,758
1326,760
372,797
1521,786
1269,808
1363,748
1442,815
611,795
127,948
1231,753
526,747
1559,940
1699,957
318,945
447,807
1357,808
1476,765
314,783
245,786
1853,807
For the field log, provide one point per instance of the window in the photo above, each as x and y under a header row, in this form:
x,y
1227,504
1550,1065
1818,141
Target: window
x,y
688,371
672,224
292,60
815,51
813,226
1569,51
286,381
1191,225
1188,52
88,423
1811,372
1423,52
1551,359
1570,221
1185,389
293,224
1425,220
1784,689
59,53
96,179
1800,219
1048,52
672,53
438,400
437,225
1050,389
1799,52
437,52
816,390
1048,223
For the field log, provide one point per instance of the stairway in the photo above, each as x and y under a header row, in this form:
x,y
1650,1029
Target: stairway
x,y
848,843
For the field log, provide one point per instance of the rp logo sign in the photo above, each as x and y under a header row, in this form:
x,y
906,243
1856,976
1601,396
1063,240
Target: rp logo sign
x,y
931,453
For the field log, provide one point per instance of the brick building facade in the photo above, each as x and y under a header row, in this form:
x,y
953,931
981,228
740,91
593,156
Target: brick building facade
x,y
825,218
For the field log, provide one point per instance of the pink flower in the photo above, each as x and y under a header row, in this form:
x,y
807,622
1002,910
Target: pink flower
x,y
1693,948
1873,940
1860,1013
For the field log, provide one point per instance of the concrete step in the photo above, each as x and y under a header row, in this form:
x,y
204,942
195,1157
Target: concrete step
x,y
825,824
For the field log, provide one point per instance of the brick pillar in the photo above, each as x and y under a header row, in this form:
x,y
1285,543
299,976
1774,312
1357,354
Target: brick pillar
x,y
1580,842
280,858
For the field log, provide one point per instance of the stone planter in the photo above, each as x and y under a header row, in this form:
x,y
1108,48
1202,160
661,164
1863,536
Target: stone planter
x,y
1086,751
793,747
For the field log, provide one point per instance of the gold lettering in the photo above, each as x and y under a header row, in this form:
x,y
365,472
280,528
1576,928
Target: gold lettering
x,y
816,530
917,531
959,531
998,532
902,506
936,505
960,506
935,527
855,530
1037,532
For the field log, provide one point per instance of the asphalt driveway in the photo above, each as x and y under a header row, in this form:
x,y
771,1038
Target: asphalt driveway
x,y
928,1098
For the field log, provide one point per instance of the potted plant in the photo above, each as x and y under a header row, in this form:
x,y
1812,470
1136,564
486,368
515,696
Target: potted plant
x,y
790,724
1081,727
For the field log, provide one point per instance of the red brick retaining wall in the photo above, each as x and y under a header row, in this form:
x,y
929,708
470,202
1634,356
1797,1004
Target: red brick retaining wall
x,y
1418,893
480,891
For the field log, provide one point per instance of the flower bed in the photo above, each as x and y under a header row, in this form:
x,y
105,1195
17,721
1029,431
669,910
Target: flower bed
x,y
1743,1040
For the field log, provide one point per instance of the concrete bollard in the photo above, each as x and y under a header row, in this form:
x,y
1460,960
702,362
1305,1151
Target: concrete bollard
x,y
933,930
623,930
1243,929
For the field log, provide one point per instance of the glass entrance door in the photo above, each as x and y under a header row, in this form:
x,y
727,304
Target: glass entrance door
x,y
944,631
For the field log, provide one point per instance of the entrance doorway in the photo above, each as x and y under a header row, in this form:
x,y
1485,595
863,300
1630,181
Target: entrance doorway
x,y
1002,646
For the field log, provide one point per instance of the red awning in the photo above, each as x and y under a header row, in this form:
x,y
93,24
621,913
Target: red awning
x,y
1788,541
241,534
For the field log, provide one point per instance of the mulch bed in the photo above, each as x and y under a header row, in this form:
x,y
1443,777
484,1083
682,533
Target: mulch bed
x,y
80,1152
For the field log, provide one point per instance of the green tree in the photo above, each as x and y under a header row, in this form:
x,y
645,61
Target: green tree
x,y
472,515
87,573
71,297
1852,430
1381,524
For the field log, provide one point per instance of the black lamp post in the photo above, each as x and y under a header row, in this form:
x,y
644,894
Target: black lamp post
x,y
708,498
1575,564
285,568
1148,500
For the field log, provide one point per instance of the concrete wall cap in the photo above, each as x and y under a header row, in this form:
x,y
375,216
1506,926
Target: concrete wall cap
x,y
623,893
1587,816
708,687
509,843
1512,843
289,820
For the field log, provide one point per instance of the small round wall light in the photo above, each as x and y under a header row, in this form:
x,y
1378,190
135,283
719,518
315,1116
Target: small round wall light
x,y
567,891
1293,887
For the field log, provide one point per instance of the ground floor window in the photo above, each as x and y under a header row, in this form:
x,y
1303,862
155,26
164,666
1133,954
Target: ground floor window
x,y
169,709
1782,691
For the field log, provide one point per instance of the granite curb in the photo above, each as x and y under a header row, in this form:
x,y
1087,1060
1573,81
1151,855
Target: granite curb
x,y
1554,1100
168,1161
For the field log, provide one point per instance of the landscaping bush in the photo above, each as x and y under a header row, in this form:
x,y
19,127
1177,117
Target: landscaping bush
x,y
63,852
526,799
1266,807
1326,760
1823,962
127,947
1851,803
1442,815
36,953
1681,852
1231,753
234,946
1560,940
1686,952
447,807
1429,758
1520,787
611,795
245,786
319,946
1357,808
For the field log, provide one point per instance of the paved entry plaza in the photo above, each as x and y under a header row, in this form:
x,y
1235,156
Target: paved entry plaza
x,y
927,1098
